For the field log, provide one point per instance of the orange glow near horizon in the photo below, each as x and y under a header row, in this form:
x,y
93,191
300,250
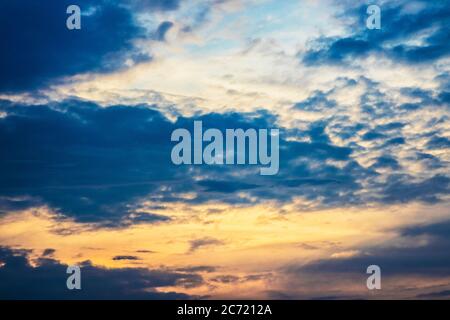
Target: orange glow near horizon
x,y
250,243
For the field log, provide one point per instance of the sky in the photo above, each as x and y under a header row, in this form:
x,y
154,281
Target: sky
x,y
86,177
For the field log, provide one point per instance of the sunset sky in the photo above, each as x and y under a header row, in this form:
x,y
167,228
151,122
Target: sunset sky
x,y
86,176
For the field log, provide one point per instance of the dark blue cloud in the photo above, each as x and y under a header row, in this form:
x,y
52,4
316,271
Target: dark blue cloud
x,y
337,50
392,41
375,102
38,49
46,279
346,130
438,143
85,161
395,141
445,97
431,162
318,150
317,133
390,126
97,164
386,162
440,230
316,102
429,260
94,164
435,295
373,135
119,258
411,260
423,98
400,188
163,28
48,252
225,186
154,4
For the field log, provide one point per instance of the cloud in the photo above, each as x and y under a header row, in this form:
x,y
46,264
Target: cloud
x,y
40,51
98,162
104,163
399,188
225,186
160,5
399,27
48,252
386,162
197,244
46,279
119,258
415,265
426,259
225,279
445,294
207,269
317,101
438,143
162,30
145,251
